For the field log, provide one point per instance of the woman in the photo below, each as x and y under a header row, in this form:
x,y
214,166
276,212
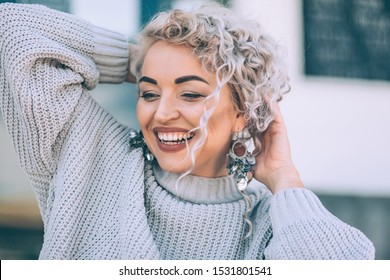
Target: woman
x,y
208,90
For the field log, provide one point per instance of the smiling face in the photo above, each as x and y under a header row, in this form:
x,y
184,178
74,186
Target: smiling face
x,y
173,91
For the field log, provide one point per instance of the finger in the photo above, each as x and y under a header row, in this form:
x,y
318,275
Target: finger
x,y
278,117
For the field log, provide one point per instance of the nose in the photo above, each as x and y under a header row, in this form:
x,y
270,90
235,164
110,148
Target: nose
x,y
166,110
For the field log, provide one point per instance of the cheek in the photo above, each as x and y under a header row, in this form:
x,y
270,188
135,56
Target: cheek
x,y
191,113
220,130
223,118
220,127
144,114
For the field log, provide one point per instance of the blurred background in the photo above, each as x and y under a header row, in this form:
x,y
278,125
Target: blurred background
x,y
337,113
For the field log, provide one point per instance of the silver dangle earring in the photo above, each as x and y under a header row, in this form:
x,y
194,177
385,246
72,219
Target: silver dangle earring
x,y
241,159
136,140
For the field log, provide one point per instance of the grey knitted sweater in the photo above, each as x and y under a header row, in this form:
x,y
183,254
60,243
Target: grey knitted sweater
x,y
98,198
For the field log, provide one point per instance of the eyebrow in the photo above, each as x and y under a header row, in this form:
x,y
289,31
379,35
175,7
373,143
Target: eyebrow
x,y
184,79
148,80
179,80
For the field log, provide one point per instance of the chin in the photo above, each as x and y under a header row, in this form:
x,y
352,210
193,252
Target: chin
x,y
174,167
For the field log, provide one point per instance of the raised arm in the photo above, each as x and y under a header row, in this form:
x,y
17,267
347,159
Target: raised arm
x,y
47,60
302,227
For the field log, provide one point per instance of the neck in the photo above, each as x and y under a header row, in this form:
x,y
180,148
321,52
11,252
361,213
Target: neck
x,y
198,189
211,169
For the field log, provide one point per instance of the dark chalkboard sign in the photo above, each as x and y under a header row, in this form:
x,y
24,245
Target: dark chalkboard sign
x,y
347,38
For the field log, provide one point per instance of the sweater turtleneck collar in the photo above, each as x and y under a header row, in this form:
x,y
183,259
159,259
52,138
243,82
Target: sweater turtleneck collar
x,y
197,189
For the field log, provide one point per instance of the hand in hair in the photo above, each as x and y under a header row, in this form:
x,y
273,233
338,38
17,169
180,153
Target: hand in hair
x,y
274,166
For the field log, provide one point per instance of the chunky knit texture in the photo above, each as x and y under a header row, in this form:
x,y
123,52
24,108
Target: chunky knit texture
x,y
97,197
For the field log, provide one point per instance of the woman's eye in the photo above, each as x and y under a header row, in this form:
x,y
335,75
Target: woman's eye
x,y
192,96
149,96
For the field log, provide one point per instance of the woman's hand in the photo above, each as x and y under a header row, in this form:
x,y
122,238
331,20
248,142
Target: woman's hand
x,y
133,49
274,166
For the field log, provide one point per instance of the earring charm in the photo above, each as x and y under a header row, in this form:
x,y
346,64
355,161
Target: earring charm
x,y
136,140
241,159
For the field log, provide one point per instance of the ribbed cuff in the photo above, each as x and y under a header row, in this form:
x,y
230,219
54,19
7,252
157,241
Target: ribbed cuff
x,y
111,55
296,204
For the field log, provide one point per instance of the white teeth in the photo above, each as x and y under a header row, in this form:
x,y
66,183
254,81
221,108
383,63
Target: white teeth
x,y
170,138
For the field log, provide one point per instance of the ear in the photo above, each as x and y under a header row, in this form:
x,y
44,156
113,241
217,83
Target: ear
x,y
238,123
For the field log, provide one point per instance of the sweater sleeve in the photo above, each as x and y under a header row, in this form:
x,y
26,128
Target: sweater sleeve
x,y
304,229
48,59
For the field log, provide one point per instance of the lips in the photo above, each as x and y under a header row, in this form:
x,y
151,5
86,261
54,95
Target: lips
x,y
172,139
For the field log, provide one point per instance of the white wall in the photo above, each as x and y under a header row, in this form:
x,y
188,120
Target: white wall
x,y
339,128
119,15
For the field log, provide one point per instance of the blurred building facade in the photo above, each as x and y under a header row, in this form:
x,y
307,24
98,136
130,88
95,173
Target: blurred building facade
x,y
339,125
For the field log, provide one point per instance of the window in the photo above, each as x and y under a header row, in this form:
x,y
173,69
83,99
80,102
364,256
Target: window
x,y
347,38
